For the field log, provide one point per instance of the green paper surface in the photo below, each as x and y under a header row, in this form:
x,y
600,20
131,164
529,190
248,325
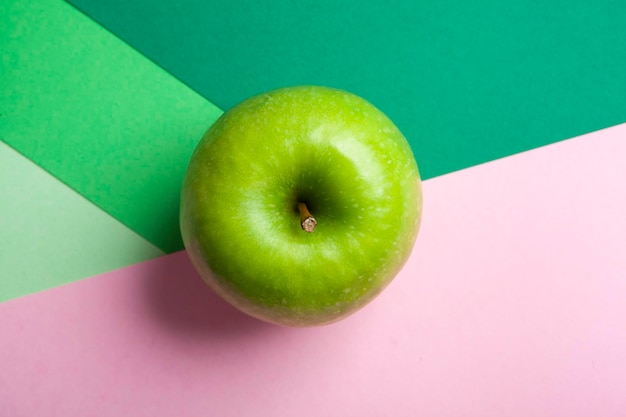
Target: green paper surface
x,y
466,81
49,235
98,115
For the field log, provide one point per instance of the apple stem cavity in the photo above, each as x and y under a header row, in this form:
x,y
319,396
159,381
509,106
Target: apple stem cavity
x,y
307,221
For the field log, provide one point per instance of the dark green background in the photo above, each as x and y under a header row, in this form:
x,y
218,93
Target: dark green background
x,y
466,81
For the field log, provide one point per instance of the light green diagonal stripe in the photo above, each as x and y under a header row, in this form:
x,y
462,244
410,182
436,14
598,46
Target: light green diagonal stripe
x,y
98,115
50,235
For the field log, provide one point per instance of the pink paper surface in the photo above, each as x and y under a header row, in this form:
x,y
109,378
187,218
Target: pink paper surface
x,y
512,304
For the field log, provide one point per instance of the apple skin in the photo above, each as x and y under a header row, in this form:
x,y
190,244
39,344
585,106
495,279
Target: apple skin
x,y
325,147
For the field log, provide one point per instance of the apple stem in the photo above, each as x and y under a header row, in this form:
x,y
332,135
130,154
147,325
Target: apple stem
x,y
307,221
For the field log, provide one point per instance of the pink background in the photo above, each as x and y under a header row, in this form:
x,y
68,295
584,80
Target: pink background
x,y
512,304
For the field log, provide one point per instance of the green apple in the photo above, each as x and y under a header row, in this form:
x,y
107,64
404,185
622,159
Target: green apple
x,y
300,205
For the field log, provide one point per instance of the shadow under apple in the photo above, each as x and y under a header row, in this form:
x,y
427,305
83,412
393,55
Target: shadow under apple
x,y
185,306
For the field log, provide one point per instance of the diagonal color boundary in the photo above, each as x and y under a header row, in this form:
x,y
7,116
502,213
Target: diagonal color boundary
x,y
517,288
50,235
98,115
466,81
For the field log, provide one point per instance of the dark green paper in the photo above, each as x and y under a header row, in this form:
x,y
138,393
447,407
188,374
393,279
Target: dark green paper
x,y
466,81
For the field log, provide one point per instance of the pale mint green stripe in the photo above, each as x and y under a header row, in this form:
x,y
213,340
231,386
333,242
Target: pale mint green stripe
x,y
50,235
98,115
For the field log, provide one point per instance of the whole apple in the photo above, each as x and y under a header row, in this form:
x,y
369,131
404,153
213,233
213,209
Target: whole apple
x,y
300,205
